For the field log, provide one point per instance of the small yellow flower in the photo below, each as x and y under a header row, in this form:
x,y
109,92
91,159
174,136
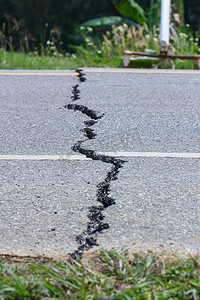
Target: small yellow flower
x,y
90,29
125,25
120,28
187,25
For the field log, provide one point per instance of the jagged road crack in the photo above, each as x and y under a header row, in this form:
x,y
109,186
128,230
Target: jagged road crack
x,y
88,238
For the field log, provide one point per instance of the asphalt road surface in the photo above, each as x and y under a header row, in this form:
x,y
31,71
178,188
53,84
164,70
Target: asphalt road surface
x,y
134,184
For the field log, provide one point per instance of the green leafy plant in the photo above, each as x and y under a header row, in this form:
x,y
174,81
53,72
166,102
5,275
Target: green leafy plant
x,y
107,21
130,9
103,275
152,13
132,14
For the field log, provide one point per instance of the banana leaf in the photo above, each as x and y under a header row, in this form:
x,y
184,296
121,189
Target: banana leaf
x,y
108,21
130,9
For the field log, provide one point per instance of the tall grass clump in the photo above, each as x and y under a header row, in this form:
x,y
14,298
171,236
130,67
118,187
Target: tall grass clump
x,y
109,48
103,275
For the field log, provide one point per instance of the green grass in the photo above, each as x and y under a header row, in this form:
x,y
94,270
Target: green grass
x,y
15,60
104,275
12,60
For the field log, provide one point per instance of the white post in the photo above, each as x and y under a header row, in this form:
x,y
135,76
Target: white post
x,y
164,25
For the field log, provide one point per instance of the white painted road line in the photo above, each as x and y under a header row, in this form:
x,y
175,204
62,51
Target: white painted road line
x,y
43,157
114,154
152,154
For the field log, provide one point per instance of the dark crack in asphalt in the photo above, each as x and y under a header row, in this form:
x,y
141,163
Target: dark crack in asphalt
x,y
75,92
90,123
88,238
80,75
89,133
85,110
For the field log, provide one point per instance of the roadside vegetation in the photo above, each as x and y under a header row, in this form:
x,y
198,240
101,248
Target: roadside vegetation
x,y
106,51
95,37
102,275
